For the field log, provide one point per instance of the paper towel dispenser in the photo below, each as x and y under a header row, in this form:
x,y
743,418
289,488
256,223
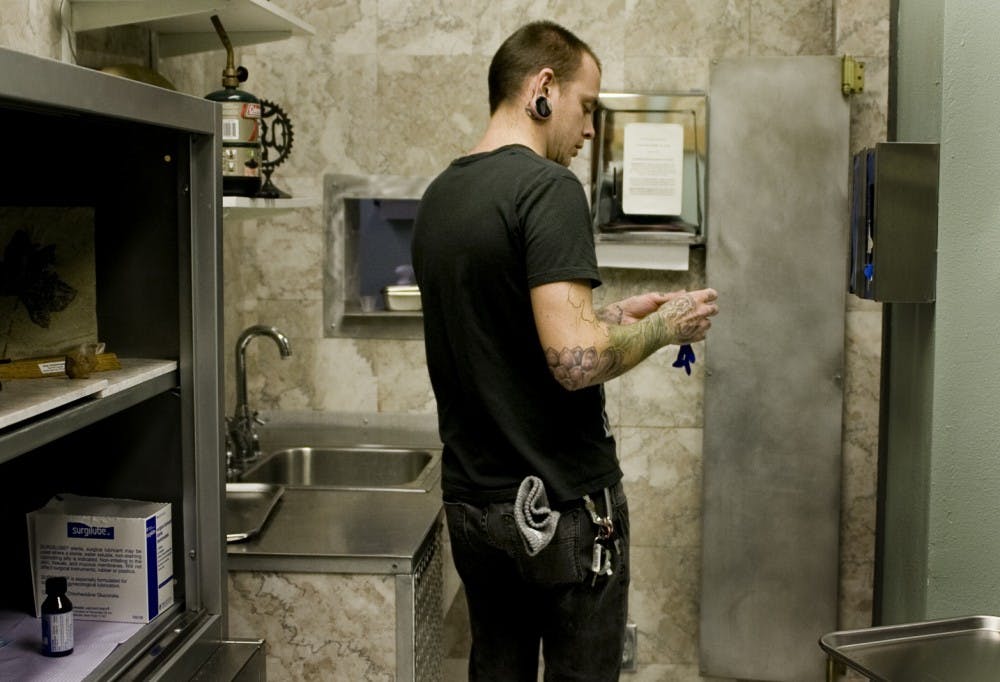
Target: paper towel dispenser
x,y
893,230
648,178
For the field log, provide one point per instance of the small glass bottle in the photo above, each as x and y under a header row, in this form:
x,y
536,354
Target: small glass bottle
x,y
57,619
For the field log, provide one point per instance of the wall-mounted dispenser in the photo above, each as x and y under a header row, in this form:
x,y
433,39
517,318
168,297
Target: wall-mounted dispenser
x,y
893,233
649,165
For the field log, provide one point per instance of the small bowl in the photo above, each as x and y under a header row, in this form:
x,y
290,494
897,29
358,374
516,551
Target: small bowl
x,y
402,297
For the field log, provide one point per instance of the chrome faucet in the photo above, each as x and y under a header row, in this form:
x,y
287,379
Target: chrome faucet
x,y
242,442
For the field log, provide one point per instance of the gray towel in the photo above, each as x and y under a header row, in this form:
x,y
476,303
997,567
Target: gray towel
x,y
535,520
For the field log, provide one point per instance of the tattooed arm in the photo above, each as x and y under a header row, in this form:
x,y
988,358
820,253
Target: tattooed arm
x,y
634,308
586,347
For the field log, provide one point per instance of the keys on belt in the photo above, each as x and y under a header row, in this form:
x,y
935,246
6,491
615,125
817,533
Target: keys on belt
x,y
606,539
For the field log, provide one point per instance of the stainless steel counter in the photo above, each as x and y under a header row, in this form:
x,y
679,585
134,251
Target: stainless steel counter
x,y
337,531
345,531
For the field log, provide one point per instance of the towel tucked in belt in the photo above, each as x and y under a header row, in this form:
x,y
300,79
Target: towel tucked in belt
x,y
535,521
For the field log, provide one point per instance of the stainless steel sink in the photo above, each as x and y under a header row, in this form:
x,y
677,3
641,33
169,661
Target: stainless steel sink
x,y
348,468
248,506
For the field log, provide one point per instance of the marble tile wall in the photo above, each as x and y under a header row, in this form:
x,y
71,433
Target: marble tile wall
x,y
318,626
398,87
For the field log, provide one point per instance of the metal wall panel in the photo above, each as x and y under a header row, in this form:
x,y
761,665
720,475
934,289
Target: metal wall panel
x,y
777,253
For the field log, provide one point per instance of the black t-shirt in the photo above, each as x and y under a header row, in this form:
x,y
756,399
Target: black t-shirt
x,y
488,229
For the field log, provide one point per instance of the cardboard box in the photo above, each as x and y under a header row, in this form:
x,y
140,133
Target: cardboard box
x,y
116,555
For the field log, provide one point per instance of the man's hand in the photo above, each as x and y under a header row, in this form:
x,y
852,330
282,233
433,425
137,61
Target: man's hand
x,y
635,308
687,314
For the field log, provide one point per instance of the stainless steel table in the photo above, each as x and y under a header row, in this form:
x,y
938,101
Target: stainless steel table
x,y
965,649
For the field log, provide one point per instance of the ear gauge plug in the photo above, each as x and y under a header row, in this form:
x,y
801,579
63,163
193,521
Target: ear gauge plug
x,y
539,109
542,107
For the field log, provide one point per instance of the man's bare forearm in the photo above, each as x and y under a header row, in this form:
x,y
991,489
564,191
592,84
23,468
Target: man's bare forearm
x,y
678,320
627,346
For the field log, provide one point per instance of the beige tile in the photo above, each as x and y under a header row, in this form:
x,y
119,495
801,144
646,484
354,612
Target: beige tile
x,y
317,626
663,603
859,469
419,28
403,383
330,98
688,28
791,27
347,27
425,122
657,394
863,353
662,470
612,402
857,548
480,27
862,27
655,73
31,27
286,257
196,74
272,379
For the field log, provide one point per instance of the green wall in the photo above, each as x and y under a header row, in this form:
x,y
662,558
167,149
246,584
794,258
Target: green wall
x,y
941,421
964,504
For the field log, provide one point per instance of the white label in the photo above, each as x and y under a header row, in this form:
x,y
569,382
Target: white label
x,y
653,169
55,367
230,129
57,632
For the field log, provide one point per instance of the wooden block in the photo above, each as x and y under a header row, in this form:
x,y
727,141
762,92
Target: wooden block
x,y
38,368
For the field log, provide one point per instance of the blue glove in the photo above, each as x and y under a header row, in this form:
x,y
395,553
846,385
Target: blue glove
x,y
685,358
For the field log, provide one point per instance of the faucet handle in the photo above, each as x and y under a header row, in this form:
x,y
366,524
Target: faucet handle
x,y
257,418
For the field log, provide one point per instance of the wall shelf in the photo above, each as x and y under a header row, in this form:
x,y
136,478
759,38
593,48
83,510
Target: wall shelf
x,y
247,208
185,26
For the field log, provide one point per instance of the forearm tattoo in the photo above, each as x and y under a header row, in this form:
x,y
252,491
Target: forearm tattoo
x,y
577,367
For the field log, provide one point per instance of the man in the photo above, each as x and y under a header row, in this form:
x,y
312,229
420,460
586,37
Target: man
x,y
504,255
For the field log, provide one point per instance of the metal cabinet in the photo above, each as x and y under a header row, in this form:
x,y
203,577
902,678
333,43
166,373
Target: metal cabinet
x,y
145,160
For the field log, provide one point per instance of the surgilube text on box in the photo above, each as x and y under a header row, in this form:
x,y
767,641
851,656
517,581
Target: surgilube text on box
x,y
116,555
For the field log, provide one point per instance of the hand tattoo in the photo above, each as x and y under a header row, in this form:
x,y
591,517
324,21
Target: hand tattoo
x,y
612,314
676,312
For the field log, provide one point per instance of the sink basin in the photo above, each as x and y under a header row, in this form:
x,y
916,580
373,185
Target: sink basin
x,y
348,468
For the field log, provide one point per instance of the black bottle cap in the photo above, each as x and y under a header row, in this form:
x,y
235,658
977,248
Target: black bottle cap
x,y
55,586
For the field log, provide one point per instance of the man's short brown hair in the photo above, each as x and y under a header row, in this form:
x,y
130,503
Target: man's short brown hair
x,y
530,49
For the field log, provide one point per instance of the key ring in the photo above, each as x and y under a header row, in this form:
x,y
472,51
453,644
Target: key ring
x,y
605,524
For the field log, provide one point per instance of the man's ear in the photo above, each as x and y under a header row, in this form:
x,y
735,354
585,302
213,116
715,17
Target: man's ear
x,y
544,80
539,106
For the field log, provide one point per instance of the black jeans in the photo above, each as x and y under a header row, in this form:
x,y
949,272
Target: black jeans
x,y
517,601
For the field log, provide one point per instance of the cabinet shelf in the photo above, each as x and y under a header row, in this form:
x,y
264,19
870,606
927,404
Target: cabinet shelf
x,y
38,411
185,26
